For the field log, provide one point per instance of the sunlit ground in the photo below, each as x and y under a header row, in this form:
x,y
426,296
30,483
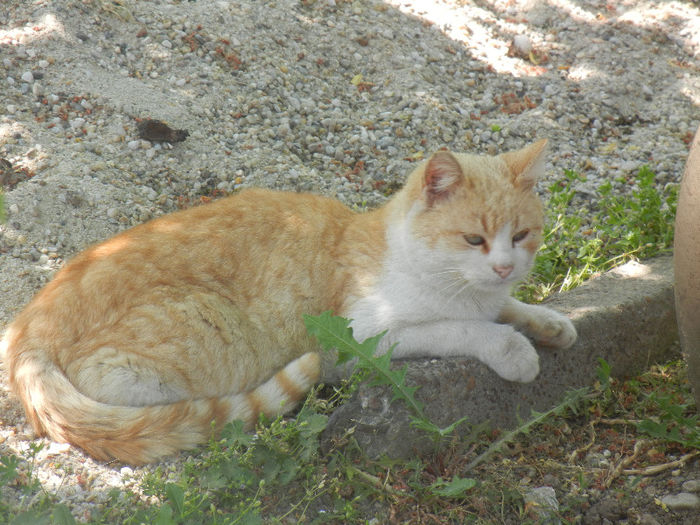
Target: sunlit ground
x,y
488,31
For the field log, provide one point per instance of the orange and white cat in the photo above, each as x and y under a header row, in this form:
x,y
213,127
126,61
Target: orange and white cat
x,y
140,342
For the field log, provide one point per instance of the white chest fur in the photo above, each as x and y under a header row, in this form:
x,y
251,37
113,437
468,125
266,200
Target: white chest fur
x,y
421,284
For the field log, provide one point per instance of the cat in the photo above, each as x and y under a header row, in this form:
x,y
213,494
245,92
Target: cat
x,y
141,342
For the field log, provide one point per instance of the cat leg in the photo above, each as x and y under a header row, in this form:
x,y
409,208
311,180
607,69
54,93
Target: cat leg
x,y
502,348
544,325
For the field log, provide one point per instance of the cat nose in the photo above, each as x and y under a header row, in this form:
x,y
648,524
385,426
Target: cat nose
x,y
503,271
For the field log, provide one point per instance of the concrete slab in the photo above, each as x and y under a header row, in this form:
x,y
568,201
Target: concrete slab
x,y
625,316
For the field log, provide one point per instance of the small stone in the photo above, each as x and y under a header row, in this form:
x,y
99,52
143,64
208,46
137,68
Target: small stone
x,y
27,77
522,44
648,519
544,502
681,501
11,108
133,144
43,64
692,485
167,44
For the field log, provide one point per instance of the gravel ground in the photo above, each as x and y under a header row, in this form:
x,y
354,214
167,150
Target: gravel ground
x,y
330,96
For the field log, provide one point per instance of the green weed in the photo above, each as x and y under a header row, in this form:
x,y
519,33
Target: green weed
x,y
334,333
621,228
667,413
3,213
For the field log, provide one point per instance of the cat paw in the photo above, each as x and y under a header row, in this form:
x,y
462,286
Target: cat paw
x,y
551,328
519,360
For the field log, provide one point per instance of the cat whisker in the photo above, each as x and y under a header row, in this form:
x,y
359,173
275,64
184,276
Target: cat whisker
x,y
465,285
450,285
474,297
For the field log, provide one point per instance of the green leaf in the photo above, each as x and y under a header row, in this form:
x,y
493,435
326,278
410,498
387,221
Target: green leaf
x,y
3,215
652,428
31,518
432,428
176,495
8,469
455,488
62,516
334,332
234,435
603,373
165,516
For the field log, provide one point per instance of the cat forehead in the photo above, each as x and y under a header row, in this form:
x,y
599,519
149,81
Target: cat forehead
x,y
491,204
482,167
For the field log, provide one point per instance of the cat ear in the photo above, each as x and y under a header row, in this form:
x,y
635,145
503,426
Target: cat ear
x,y
527,164
442,174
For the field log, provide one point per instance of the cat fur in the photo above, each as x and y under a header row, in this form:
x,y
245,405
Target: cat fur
x,y
141,342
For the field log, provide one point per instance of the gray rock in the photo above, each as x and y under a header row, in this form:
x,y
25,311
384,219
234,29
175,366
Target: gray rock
x,y
681,501
544,502
605,511
692,485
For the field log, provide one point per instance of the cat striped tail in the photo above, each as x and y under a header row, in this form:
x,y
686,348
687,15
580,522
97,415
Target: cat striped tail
x,y
137,435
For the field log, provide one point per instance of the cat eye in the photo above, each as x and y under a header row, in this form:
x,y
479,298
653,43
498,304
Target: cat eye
x,y
474,240
520,236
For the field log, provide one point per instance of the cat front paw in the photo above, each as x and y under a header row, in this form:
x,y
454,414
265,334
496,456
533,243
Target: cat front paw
x,y
519,360
551,328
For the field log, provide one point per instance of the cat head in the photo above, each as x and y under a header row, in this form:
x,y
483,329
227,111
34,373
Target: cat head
x,y
475,217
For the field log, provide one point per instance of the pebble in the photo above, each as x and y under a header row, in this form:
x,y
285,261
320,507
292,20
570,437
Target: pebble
x,y
648,519
692,485
28,77
523,44
681,501
545,504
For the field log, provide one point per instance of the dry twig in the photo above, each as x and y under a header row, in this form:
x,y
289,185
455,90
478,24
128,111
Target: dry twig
x,y
656,469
